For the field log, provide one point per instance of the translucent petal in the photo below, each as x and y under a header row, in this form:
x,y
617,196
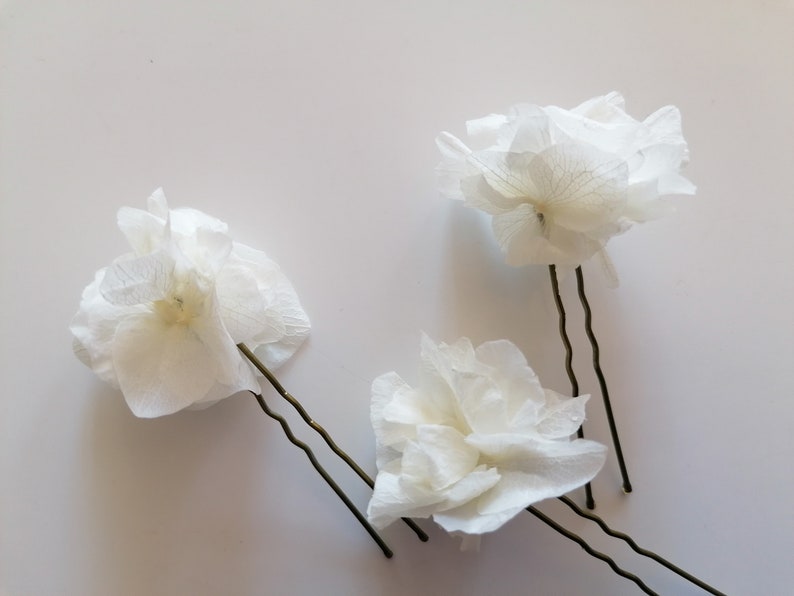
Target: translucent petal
x,y
484,132
161,368
448,456
601,107
580,188
144,232
242,307
287,324
480,195
389,501
664,126
532,134
453,167
93,328
507,173
186,222
562,416
210,330
385,389
518,383
474,484
526,240
482,403
565,463
600,122
158,205
514,492
469,520
409,406
138,280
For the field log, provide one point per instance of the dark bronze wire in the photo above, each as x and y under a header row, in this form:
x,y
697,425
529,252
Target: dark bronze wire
x,y
555,287
327,477
590,550
276,384
638,549
613,429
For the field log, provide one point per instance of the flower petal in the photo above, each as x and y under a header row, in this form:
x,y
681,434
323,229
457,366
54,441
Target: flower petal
x,y
453,166
145,232
467,518
137,280
448,457
580,188
526,240
390,502
161,368
561,416
287,325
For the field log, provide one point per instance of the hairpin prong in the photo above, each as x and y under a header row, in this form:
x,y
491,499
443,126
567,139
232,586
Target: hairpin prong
x,y
613,429
590,550
327,477
566,342
638,549
276,384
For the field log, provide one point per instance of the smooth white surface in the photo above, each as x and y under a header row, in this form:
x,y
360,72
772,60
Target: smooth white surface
x,y
309,127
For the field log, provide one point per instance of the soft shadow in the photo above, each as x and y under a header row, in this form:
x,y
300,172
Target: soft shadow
x,y
168,492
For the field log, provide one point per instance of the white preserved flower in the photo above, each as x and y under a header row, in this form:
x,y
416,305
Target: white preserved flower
x,y
560,183
477,442
162,322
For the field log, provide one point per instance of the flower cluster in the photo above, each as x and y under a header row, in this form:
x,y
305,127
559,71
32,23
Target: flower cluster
x,y
162,322
477,442
560,183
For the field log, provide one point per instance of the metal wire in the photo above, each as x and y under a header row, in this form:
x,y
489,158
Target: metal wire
x,y
613,429
638,549
339,492
555,287
590,550
320,430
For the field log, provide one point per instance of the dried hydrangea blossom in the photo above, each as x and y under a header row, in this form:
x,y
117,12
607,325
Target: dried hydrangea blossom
x,y
476,442
162,322
560,183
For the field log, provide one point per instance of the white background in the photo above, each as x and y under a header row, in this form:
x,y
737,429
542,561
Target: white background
x,y
309,128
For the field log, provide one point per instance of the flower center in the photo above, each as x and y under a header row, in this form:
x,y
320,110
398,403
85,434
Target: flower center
x,y
185,302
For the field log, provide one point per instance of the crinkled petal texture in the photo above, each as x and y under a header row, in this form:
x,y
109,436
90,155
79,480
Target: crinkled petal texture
x,y
478,441
163,322
560,183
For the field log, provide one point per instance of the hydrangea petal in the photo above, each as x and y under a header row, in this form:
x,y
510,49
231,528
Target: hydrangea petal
x,y
507,173
577,176
525,239
482,403
449,456
477,482
581,188
453,166
144,231
157,204
664,126
288,324
561,416
131,281
503,451
194,298
469,520
510,371
93,328
242,306
485,131
161,368
388,434
389,502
